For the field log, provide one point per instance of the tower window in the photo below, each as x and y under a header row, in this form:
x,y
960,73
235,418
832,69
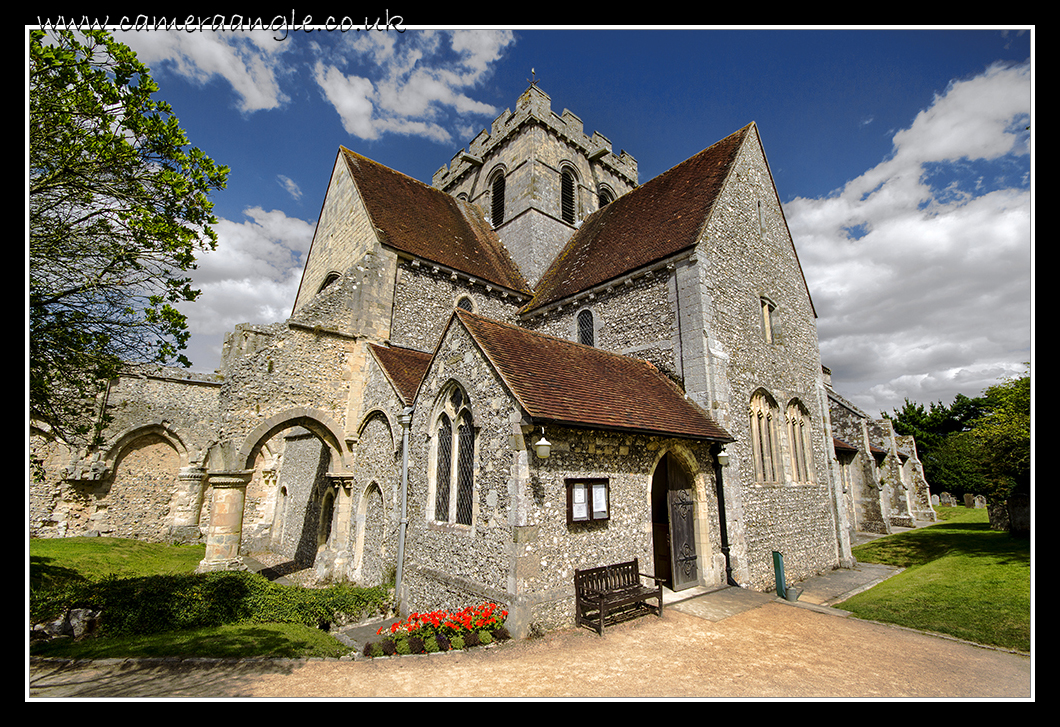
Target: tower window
x,y
497,200
567,206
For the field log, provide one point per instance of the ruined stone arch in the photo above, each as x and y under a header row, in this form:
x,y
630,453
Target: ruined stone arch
x,y
143,491
129,437
371,547
315,421
330,278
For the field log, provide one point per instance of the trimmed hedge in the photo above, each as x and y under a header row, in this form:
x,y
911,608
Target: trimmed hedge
x,y
155,604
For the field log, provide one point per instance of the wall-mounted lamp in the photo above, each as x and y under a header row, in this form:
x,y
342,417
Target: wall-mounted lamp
x,y
723,457
543,447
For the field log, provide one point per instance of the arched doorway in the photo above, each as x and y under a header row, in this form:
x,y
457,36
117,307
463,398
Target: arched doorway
x,y
673,514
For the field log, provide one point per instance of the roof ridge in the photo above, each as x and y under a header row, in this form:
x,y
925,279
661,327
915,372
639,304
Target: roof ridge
x,y
658,219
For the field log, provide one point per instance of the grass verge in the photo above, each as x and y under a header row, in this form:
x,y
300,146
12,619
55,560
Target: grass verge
x,y
962,579
154,604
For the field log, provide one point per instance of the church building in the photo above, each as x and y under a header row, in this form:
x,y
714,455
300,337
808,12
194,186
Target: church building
x,y
533,365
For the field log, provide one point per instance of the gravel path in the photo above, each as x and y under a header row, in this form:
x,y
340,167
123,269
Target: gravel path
x,y
773,650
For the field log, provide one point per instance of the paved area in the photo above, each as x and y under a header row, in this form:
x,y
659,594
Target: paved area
x,y
726,643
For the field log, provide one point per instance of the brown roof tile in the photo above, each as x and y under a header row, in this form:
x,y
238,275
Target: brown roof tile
x,y
404,367
658,219
422,221
841,446
567,383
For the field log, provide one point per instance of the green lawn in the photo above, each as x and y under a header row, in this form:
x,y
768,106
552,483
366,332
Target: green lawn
x,y
961,579
155,605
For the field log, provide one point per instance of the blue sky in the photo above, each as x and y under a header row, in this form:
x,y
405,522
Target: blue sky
x,y
900,155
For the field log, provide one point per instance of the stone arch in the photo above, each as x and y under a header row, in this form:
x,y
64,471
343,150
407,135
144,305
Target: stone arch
x,y
683,510
372,551
158,428
315,421
330,278
326,526
139,498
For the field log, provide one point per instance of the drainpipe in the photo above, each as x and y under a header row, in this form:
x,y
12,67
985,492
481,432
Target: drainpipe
x,y
723,524
406,422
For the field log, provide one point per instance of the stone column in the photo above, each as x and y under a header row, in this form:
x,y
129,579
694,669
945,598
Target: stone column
x,y
187,504
226,521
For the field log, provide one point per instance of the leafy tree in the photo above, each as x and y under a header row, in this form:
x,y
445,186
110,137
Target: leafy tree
x,y
978,445
119,207
1003,437
950,463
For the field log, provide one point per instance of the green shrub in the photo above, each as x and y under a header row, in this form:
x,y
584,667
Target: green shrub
x,y
457,642
430,645
153,604
485,638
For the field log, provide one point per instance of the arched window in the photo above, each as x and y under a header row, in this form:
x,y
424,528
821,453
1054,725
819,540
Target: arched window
x,y
331,278
769,320
605,196
568,206
586,332
798,420
454,465
465,304
764,441
497,199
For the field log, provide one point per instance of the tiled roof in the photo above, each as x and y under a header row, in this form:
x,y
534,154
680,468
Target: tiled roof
x,y
404,367
658,219
562,382
840,446
414,218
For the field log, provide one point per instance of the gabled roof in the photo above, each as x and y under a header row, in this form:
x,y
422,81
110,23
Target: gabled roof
x,y
426,223
657,220
403,367
841,446
561,382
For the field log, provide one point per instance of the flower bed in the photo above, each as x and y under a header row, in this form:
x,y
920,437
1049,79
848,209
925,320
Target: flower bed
x,y
427,633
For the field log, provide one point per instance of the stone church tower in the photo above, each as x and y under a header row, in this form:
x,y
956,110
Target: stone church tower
x,y
536,175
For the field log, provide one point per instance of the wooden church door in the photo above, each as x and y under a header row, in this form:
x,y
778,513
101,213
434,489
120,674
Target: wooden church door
x,y
673,525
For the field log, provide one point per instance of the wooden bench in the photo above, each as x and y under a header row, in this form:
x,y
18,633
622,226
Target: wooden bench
x,y
611,588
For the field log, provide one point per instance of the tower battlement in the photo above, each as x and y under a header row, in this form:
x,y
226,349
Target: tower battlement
x,y
535,106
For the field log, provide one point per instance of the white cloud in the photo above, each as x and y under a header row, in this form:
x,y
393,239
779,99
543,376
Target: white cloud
x,y
417,83
290,185
252,277
932,296
248,61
